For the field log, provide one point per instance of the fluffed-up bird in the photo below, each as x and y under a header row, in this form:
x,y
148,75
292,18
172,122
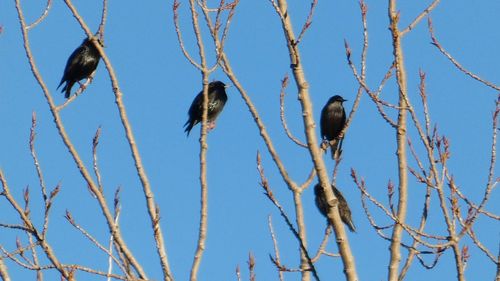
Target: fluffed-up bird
x,y
332,122
82,62
216,100
344,211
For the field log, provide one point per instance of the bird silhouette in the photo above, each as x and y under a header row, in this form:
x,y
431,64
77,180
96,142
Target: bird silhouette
x,y
344,211
216,100
80,65
332,122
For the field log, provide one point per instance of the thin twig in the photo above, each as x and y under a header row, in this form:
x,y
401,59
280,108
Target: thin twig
x,y
455,62
350,118
94,241
49,252
104,16
308,22
275,244
35,158
146,186
175,8
42,17
322,245
268,192
64,136
95,143
420,17
284,84
4,274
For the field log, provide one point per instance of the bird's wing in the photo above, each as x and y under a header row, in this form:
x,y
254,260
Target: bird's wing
x,y
74,61
196,105
324,121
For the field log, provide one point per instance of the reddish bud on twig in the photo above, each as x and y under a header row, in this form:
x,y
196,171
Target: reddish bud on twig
x,y
251,266
157,211
33,125
238,274
390,188
353,173
465,254
69,217
117,197
397,17
176,5
54,192
347,51
95,141
19,246
364,8
284,82
26,196
454,206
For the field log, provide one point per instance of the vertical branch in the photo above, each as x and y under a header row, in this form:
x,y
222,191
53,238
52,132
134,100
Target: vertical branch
x,y
35,158
67,142
95,143
297,233
47,249
146,186
395,247
497,278
111,242
299,218
104,16
312,141
364,10
251,266
202,232
36,262
4,274
275,243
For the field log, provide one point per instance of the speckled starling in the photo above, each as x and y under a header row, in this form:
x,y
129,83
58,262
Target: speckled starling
x,y
332,122
82,62
344,211
216,100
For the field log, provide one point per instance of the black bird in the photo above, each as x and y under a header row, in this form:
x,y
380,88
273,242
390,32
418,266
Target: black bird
x,y
216,100
344,211
332,122
82,62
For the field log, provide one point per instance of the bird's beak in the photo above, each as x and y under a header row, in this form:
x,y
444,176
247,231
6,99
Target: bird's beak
x,y
227,86
344,100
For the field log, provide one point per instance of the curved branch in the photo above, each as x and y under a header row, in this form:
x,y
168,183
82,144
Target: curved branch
x,y
146,187
455,62
284,84
42,16
420,17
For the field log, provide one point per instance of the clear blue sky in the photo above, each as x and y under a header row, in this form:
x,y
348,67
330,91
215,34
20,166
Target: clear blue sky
x,y
159,84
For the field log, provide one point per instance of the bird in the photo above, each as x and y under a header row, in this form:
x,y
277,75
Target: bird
x,y
217,98
332,122
80,65
344,211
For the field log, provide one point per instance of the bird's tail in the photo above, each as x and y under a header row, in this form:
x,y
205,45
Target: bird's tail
x,y
67,89
189,125
351,226
336,148
60,83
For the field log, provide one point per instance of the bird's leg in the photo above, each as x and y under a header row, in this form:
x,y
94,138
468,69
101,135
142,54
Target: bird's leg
x,y
325,144
82,86
210,125
338,149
